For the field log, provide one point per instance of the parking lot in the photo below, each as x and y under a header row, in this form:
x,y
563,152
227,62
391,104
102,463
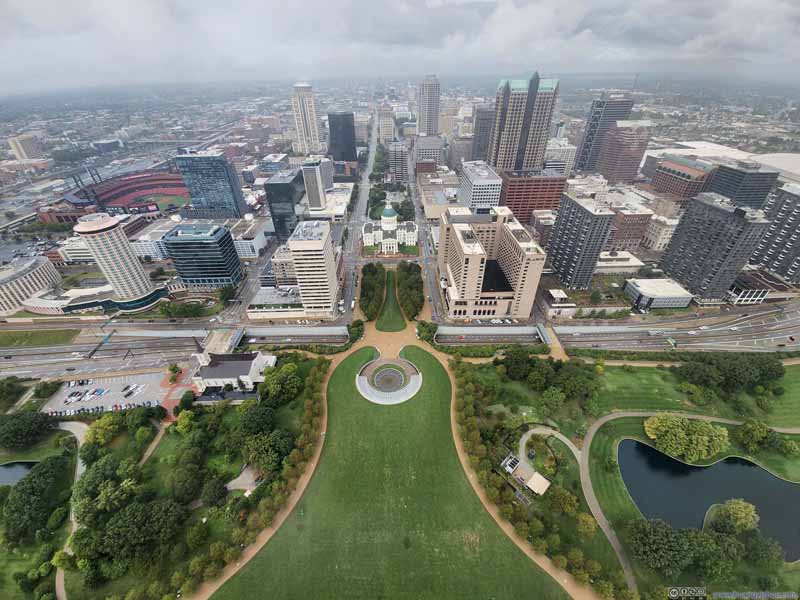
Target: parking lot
x,y
101,394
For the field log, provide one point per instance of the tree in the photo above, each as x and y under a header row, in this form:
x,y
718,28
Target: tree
x,y
22,429
157,273
214,492
281,385
227,293
45,389
763,552
516,361
736,516
659,546
587,526
103,430
31,501
185,482
681,437
561,500
186,422
551,400
267,450
752,435
595,297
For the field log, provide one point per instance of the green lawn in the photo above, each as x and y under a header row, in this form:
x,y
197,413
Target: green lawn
x,y
391,318
410,250
389,512
38,337
620,509
368,250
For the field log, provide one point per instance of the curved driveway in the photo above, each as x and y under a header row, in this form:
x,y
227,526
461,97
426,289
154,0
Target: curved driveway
x,y
582,456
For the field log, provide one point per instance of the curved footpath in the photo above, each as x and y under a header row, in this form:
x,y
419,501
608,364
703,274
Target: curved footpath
x,y
583,455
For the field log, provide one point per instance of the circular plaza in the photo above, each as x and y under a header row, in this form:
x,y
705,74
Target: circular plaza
x,y
388,381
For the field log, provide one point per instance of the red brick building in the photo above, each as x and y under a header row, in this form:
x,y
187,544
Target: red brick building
x,y
681,177
622,151
526,191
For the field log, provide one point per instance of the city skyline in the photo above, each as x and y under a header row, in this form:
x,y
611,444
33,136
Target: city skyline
x,y
170,42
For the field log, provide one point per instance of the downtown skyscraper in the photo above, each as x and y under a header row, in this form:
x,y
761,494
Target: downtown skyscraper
x,y
482,121
428,106
603,115
306,121
213,186
522,114
342,141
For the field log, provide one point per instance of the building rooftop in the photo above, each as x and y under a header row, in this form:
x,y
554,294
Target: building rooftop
x,y
633,124
388,211
521,85
228,366
659,287
19,267
591,205
286,176
95,223
310,230
478,171
723,203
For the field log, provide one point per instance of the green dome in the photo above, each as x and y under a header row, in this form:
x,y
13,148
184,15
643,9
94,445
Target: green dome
x,y
389,211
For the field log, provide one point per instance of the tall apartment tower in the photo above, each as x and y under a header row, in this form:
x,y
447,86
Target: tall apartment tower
x,y
25,146
204,255
342,140
522,114
213,186
527,191
622,151
428,106
779,249
713,241
743,183
398,162
318,178
114,255
315,267
579,234
306,122
490,263
603,113
482,121
479,187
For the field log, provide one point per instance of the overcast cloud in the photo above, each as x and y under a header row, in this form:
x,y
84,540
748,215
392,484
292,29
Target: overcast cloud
x,y
51,44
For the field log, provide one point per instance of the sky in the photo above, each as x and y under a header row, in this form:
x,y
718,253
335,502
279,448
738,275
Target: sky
x,y
53,44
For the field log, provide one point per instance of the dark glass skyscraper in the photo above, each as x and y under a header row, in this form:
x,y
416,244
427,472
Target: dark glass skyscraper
x,y
204,255
482,131
744,183
213,186
284,190
603,114
342,142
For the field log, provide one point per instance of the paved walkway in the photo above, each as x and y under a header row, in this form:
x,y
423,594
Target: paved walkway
x,y
161,428
78,429
245,481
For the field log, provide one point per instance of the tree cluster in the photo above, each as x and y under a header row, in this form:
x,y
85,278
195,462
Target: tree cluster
x,y
11,390
690,439
756,437
355,331
103,430
426,331
181,310
731,373
730,541
22,429
45,389
32,500
373,289
410,293
557,381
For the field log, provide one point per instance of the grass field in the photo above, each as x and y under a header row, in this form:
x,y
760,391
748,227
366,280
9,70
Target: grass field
x,y
391,318
38,337
389,512
620,509
48,446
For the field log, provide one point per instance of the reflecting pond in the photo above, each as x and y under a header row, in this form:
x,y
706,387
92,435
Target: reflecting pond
x,y
11,473
664,488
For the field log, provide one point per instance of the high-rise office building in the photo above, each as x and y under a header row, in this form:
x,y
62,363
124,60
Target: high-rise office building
x,y
430,147
306,122
398,162
342,141
527,191
579,234
479,187
482,121
284,190
385,125
459,150
317,178
428,106
560,156
490,263
622,151
25,146
779,249
204,256
743,183
603,113
713,241
213,186
315,267
114,255
681,177
522,114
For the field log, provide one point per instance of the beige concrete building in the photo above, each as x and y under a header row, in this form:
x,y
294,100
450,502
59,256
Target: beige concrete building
x,y
489,265
22,278
315,267
306,121
114,255
385,125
